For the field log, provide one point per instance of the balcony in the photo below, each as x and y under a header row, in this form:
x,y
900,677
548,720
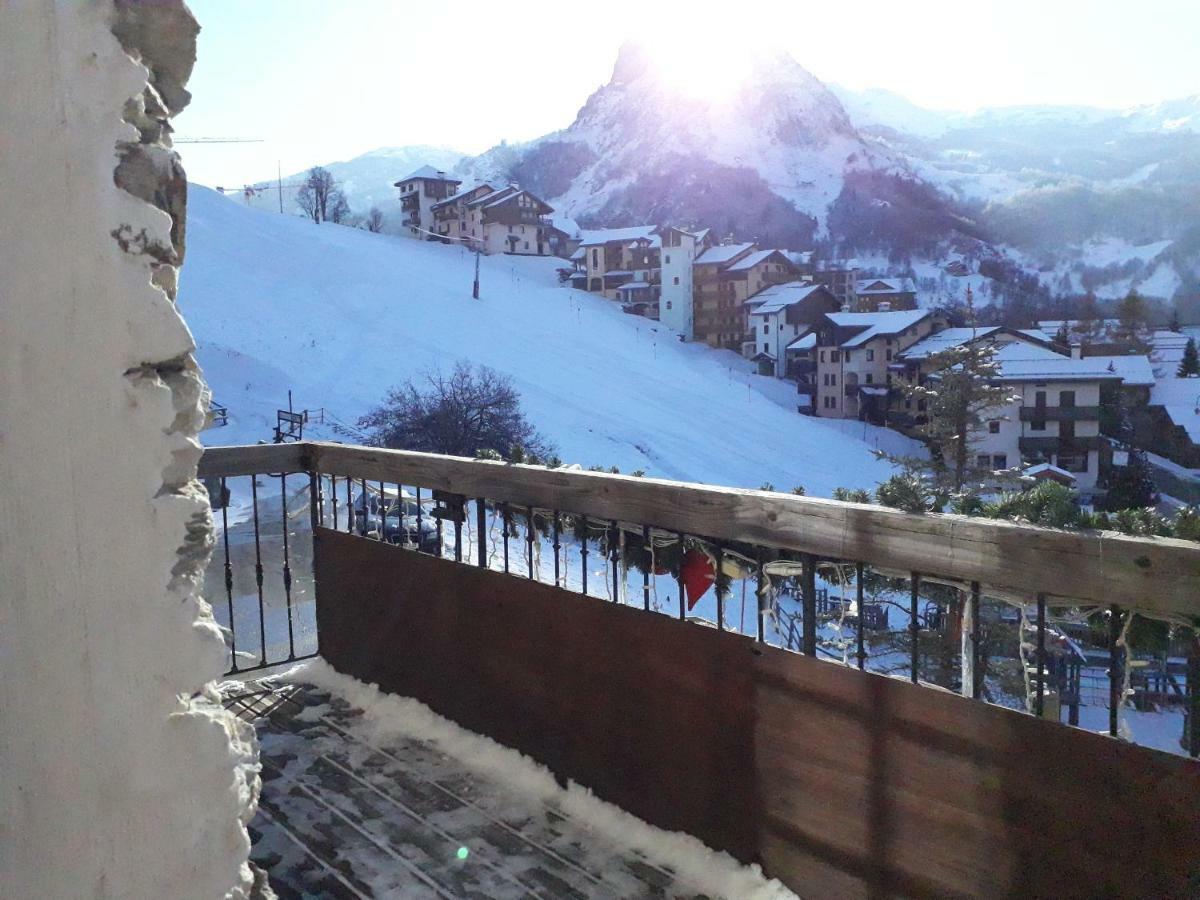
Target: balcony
x,y
1059,413
1053,444
556,612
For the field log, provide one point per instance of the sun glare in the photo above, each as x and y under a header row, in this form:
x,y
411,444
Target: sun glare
x,y
703,60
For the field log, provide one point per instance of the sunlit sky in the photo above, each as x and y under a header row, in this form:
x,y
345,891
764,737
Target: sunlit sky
x,y
325,80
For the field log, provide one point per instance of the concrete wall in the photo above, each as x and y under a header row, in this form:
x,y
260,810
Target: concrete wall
x,y
121,775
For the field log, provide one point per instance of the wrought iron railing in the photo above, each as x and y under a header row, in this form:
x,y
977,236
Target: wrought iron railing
x,y
973,605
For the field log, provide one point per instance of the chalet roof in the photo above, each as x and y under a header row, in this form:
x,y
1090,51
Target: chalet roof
x,y
567,226
947,338
1180,399
1135,371
488,199
1018,364
722,254
869,286
876,324
590,237
428,173
580,253
779,297
461,195
806,341
1047,470
750,261
509,194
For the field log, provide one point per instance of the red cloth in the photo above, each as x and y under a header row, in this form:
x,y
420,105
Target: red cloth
x,y
698,575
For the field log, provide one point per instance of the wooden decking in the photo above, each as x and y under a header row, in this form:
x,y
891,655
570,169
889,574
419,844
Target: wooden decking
x,y
342,817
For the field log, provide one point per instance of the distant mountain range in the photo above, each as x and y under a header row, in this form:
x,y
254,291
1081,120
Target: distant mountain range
x,y
1085,199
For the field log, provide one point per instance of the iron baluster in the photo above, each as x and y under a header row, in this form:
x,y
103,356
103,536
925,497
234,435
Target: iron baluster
x,y
1114,669
287,566
459,514
529,539
366,519
719,553
314,501
349,505
333,499
647,559
583,553
615,555
976,674
383,512
1193,695
417,492
481,532
504,514
403,519
258,571
557,547
859,598
229,573
810,605
914,626
1039,698
761,593
679,578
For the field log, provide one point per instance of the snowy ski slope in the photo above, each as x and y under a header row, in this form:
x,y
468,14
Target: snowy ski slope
x,y
339,315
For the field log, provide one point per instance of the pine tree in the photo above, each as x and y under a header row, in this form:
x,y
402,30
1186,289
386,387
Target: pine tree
x,y
959,393
1175,326
1190,364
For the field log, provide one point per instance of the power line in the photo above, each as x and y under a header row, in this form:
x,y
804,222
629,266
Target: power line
x,y
210,140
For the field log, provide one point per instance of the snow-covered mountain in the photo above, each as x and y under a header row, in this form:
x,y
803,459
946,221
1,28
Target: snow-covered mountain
x,y
1096,199
778,159
339,315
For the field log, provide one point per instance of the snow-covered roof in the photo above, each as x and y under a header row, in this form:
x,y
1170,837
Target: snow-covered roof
x,y
799,257
593,236
567,226
617,272
956,337
753,259
455,198
654,241
806,341
868,286
1018,364
872,390
635,286
875,324
494,196
722,253
579,253
1037,334
429,173
779,297
1180,398
1048,470
1134,370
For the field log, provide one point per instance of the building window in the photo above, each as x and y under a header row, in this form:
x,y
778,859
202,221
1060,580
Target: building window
x,y
1000,461
822,356
889,356
595,259
994,426
847,356
766,348
1066,399
870,378
668,304
835,355
766,329
667,259
870,356
1073,462
982,461
675,280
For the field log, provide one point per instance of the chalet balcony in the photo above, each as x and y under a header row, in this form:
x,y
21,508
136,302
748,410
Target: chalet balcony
x,y
1054,444
1059,413
800,715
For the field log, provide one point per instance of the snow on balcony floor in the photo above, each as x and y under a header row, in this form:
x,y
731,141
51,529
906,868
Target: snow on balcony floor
x,y
365,794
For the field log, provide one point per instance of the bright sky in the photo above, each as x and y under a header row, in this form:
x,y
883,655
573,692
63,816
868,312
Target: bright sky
x,y
325,80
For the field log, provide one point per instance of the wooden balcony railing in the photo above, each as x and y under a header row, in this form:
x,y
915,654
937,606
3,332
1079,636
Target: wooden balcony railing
x,y
1059,413
550,609
1054,444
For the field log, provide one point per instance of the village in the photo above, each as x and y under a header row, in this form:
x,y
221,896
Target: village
x,y
1083,394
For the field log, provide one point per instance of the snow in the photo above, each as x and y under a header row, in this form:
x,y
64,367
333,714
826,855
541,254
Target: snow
x,y
753,260
1180,397
875,324
387,717
1020,362
722,253
340,315
429,173
591,236
869,286
945,340
778,297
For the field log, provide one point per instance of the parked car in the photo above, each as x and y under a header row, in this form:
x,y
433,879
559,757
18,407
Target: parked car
x,y
398,520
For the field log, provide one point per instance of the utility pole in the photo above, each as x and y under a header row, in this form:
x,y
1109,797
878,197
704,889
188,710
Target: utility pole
x,y
475,287
279,182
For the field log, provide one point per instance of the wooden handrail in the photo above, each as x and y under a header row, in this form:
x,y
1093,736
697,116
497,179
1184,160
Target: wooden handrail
x,y
1157,576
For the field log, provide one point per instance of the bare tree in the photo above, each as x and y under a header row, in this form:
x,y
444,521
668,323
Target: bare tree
x,y
339,209
374,221
316,193
472,409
